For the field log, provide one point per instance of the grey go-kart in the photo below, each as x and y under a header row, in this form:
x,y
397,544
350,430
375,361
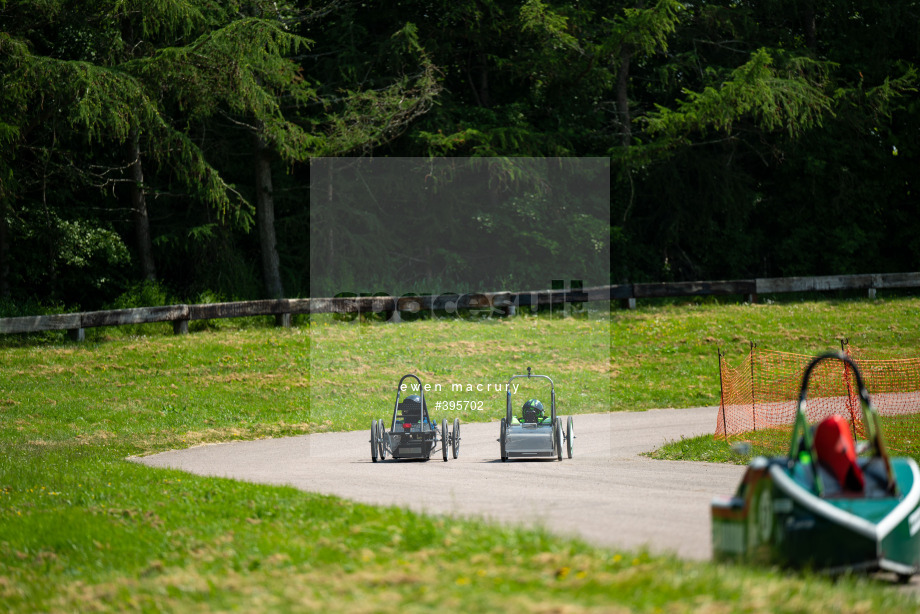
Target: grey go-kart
x,y
532,436
411,434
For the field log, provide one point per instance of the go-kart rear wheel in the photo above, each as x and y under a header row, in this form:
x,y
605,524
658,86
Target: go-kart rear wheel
x,y
557,437
381,441
456,438
444,439
569,436
374,441
501,438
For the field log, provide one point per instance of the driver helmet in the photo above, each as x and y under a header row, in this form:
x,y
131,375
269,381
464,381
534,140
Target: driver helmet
x,y
419,417
536,405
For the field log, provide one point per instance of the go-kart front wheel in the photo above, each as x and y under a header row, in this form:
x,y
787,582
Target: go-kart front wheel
x,y
444,439
557,437
374,441
501,438
569,436
381,441
456,438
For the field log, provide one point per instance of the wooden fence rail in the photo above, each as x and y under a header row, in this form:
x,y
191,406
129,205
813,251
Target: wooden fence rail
x,y
488,303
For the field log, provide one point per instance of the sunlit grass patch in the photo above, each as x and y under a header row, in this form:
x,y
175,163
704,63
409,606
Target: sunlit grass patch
x,y
702,448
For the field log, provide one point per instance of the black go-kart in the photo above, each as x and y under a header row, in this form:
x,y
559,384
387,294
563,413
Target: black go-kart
x,y
411,433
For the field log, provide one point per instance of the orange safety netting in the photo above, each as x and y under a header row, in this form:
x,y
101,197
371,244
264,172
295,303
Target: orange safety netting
x,y
759,397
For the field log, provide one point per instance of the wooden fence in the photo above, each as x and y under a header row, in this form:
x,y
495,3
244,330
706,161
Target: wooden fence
x,y
497,303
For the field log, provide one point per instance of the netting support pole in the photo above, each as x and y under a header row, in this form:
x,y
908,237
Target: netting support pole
x,y
753,398
722,397
844,342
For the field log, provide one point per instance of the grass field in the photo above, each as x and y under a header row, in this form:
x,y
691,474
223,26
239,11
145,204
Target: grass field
x,y
83,530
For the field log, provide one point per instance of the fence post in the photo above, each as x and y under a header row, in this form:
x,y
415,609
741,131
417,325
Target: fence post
x,y
753,397
556,284
722,397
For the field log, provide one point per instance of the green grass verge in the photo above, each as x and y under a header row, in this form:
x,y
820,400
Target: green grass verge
x,y
83,530
702,448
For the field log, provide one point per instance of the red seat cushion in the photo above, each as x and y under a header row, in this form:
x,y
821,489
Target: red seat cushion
x,y
836,451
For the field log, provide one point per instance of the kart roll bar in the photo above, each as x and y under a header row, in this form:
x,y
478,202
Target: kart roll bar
x,y
802,434
529,375
421,392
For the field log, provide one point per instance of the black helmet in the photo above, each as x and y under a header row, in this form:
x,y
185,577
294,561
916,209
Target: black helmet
x,y
536,406
412,408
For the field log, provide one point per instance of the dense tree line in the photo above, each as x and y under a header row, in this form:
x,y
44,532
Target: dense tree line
x,y
169,142
437,225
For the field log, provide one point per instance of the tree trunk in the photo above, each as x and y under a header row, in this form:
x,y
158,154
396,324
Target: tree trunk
x,y
484,95
623,99
810,26
139,211
265,217
330,244
481,91
4,254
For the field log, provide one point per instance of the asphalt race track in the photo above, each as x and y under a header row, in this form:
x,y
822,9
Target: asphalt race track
x,y
607,494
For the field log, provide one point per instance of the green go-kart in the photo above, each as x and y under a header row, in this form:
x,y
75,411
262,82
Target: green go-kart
x,y
532,436
825,506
